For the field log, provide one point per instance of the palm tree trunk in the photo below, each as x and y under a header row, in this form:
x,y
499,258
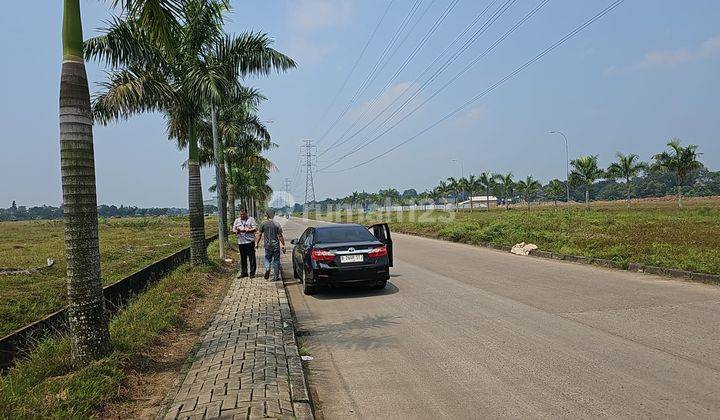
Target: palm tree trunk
x,y
198,250
224,198
587,197
627,184
230,194
219,187
89,336
487,198
679,196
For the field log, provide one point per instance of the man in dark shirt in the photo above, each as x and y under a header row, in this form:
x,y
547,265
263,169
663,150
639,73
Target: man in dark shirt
x,y
274,243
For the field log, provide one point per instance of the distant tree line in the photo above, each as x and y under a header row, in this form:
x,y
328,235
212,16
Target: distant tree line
x,y
675,171
15,212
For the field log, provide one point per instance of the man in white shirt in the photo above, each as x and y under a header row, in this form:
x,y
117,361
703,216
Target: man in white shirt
x,y
245,228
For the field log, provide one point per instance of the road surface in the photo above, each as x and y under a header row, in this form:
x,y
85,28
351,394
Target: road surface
x,y
467,332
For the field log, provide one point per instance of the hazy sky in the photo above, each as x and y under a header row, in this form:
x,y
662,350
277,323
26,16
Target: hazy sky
x,y
645,72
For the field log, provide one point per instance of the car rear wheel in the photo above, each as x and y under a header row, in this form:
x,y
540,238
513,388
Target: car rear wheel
x,y
307,290
295,273
381,285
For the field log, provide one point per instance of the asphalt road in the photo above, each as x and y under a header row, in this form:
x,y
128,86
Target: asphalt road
x,y
466,332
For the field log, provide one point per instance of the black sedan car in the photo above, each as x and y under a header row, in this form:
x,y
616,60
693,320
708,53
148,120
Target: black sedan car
x,y
339,254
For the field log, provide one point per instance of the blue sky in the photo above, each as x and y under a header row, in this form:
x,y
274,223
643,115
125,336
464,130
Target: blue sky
x,y
644,73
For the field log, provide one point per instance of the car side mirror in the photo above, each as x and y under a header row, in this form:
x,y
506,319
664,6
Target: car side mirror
x,y
293,241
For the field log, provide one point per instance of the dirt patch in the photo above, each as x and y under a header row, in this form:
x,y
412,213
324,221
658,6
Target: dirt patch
x,y
151,376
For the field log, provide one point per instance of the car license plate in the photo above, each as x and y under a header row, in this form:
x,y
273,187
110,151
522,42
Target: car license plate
x,y
351,258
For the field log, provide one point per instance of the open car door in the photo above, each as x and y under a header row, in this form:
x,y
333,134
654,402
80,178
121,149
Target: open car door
x,y
382,233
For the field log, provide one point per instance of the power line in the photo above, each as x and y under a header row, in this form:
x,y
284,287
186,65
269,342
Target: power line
x,y
467,44
357,61
510,75
436,74
375,69
298,167
412,55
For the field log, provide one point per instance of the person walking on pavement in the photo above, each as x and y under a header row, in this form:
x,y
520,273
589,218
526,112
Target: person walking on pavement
x,y
274,243
245,228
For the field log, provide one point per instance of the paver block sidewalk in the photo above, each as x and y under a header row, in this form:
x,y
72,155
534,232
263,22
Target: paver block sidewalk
x,y
241,368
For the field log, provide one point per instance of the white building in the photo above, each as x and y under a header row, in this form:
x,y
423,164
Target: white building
x,y
479,201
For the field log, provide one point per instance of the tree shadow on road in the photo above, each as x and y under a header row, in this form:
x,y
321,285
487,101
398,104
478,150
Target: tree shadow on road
x,y
355,334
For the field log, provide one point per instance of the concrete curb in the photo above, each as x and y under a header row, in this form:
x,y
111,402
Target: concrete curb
x,y
299,393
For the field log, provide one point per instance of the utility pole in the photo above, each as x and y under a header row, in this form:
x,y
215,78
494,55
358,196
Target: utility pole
x,y
310,155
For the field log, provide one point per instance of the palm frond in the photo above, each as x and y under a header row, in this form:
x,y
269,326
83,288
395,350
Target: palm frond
x,y
251,53
127,92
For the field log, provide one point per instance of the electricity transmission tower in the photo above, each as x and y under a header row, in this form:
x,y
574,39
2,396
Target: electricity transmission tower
x,y
310,156
286,198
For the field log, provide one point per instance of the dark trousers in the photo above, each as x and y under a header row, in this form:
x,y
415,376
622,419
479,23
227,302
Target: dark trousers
x,y
247,252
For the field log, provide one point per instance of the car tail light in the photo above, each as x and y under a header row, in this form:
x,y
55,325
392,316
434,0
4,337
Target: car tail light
x,y
380,251
322,255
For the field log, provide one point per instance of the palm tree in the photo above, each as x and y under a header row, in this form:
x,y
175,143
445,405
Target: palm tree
x,y
626,167
507,186
453,185
229,58
88,323
435,195
443,190
528,188
86,306
555,189
250,176
182,80
237,124
680,160
585,171
487,182
470,186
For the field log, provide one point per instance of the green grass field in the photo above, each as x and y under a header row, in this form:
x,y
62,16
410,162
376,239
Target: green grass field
x,y
126,245
46,384
653,232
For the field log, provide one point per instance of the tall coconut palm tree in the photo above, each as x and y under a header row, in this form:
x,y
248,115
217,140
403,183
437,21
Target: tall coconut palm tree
x,y
230,58
88,323
243,130
487,182
626,167
555,189
586,172
233,122
454,186
86,306
506,186
679,160
181,80
469,185
528,188
443,190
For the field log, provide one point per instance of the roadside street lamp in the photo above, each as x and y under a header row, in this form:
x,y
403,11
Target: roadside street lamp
x,y
567,164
